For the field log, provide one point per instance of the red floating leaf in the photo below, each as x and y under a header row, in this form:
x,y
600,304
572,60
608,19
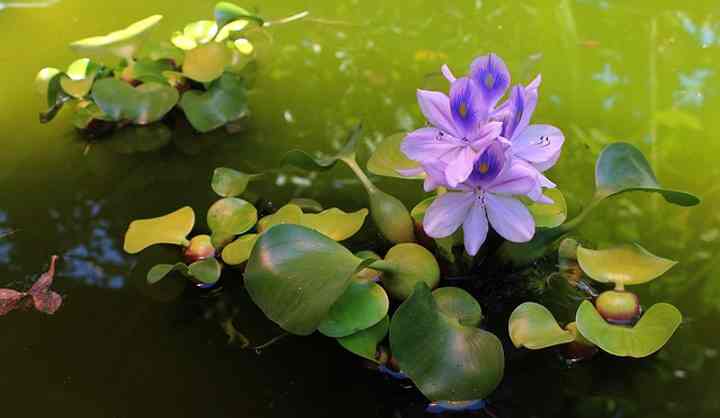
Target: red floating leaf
x,y
10,300
46,300
45,281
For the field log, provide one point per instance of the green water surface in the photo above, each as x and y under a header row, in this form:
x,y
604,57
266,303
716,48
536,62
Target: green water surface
x,y
645,72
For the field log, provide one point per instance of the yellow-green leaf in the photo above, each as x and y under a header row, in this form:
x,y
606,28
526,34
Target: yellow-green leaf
x,y
550,215
622,265
238,251
169,229
288,214
334,223
387,158
533,326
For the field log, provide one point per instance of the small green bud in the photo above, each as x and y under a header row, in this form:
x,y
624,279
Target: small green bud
x,y
200,248
618,307
391,217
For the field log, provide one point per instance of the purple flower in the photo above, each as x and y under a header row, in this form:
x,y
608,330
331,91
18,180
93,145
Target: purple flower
x,y
484,200
484,152
460,129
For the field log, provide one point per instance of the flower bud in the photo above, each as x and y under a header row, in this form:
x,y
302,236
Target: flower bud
x,y
200,248
391,217
618,307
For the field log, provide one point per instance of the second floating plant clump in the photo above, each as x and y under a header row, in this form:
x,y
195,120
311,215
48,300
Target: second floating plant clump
x,y
126,80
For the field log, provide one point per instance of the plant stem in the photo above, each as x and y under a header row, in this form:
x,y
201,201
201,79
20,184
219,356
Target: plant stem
x,y
352,163
293,18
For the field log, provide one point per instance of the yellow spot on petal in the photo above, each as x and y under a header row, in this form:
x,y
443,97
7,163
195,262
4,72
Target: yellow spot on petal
x,y
484,167
463,110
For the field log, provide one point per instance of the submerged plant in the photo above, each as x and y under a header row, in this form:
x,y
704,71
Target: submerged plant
x,y
126,80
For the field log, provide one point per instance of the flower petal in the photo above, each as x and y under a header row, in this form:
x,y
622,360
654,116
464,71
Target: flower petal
x,y
518,178
509,218
436,108
426,145
460,165
447,213
467,107
492,76
514,111
435,176
487,133
540,145
447,73
475,228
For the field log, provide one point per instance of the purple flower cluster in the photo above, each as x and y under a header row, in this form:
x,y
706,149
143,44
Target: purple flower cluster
x,y
486,154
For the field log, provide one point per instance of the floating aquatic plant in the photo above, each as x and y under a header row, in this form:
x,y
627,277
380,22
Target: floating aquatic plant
x,y
40,295
202,72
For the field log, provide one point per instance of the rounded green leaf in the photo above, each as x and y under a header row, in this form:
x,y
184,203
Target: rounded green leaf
x,y
295,275
404,266
621,168
305,161
387,158
202,31
206,62
363,305
459,304
334,223
447,361
552,215
206,271
649,335
159,271
622,265
533,326
79,78
288,214
364,343
147,71
225,101
418,212
238,251
144,104
169,229
227,182
123,43
229,217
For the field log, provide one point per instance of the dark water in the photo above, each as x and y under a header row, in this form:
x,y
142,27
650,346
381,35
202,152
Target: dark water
x,y
643,72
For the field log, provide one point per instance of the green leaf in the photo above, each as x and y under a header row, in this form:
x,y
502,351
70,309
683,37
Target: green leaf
x,y
150,71
206,63
172,228
295,275
42,80
649,335
446,360
124,43
334,223
206,271
418,212
79,78
387,158
194,34
227,12
404,266
363,305
552,215
533,326
305,161
623,265
230,29
159,271
364,343
238,251
227,182
288,214
229,217
225,101
459,304
56,98
143,105
622,168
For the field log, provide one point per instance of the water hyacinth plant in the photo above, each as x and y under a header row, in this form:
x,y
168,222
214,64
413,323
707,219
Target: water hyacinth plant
x,y
491,211
201,75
